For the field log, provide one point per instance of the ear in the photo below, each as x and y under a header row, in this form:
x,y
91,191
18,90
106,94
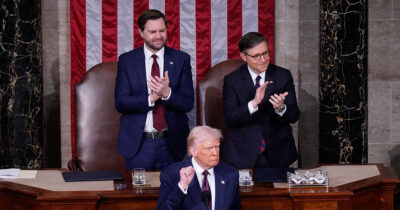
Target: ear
x,y
243,56
141,33
193,151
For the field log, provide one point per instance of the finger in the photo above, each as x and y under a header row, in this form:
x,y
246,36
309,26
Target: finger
x,y
152,85
166,75
275,97
158,79
274,104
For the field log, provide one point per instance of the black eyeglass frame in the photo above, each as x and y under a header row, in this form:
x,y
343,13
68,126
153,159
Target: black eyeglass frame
x,y
258,56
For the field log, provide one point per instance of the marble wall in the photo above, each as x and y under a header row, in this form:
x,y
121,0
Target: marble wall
x,y
343,82
384,82
21,92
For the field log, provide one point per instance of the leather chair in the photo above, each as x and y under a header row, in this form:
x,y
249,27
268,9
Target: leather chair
x,y
97,121
210,94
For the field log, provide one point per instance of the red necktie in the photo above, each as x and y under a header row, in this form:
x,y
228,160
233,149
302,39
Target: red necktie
x,y
262,144
205,186
158,111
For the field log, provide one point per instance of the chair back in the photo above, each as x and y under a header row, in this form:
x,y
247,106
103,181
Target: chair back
x,y
210,94
97,120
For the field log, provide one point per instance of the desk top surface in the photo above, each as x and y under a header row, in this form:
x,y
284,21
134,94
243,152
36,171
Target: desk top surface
x,y
356,176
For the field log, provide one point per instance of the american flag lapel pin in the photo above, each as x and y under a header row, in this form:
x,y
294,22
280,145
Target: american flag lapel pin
x,y
222,182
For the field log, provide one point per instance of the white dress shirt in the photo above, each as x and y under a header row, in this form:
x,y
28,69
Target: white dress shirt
x,y
210,179
149,63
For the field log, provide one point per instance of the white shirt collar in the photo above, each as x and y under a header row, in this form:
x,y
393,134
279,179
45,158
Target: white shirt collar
x,y
254,75
199,170
148,54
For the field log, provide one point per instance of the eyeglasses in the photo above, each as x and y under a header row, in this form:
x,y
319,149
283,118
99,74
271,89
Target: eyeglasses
x,y
258,56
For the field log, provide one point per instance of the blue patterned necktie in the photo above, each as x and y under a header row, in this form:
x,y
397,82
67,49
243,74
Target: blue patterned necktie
x,y
258,78
262,143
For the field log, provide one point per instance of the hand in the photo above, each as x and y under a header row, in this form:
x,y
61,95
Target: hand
x,y
160,86
260,92
277,101
186,176
154,97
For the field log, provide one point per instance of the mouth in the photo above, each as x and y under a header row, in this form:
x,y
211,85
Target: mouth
x,y
158,41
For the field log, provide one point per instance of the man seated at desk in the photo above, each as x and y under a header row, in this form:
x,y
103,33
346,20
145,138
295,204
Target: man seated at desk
x,y
183,185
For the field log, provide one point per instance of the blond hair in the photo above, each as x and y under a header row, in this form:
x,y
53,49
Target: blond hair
x,y
200,133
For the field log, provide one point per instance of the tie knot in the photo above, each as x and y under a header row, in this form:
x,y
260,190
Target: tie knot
x,y
258,78
206,173
154,56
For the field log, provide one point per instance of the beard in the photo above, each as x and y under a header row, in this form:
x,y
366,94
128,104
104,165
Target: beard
x,y
152,46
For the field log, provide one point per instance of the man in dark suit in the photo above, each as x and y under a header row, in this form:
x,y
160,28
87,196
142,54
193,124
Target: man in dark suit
x,y
259,102
185,185
153,92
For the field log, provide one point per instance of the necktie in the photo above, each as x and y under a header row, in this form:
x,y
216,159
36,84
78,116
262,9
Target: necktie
x,y
262,146
158,111
257,81
262,143
205,186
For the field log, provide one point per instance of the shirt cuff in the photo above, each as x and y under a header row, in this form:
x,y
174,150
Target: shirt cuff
x,y
251,108
169,95
184,191
280,113
150,104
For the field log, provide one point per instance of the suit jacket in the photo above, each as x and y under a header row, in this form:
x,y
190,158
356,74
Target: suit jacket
x,y
245,130
226,188
131,100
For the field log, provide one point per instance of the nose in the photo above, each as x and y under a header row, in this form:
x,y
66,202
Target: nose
x,y
264,58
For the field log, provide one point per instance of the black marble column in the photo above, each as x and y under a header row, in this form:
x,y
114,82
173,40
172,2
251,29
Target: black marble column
x,y
343,81
21,130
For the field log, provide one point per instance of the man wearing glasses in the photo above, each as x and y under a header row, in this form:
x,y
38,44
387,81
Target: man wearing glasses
x,y
260,103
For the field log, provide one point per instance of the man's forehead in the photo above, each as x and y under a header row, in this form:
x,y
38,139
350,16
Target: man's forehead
x,y
262,46
210,142
156,23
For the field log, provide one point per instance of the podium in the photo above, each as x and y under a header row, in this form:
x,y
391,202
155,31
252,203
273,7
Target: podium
x,y
375,192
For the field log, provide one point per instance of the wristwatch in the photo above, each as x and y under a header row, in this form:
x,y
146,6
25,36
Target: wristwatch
x,y
282,108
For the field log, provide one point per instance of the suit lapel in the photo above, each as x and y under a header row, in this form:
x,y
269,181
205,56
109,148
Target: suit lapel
x,y
220,186
269,76
140,69
247,82
194,190
168,62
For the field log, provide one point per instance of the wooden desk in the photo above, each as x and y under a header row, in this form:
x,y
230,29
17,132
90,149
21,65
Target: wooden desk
x,y
371,193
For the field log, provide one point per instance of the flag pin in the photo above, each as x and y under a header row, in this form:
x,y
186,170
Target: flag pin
x,y
222,182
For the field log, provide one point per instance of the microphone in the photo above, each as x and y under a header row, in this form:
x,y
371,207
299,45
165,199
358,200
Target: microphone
x,y
206,197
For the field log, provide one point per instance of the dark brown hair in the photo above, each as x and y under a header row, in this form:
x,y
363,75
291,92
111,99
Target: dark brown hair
x,y
150,14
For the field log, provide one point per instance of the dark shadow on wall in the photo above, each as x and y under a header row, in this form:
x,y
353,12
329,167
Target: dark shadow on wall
x,y
308,145
394,155
51,112
51,87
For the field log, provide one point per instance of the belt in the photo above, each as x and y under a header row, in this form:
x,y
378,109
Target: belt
x,y
156,135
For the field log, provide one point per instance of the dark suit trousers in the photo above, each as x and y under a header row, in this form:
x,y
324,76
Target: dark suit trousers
x,y
153,154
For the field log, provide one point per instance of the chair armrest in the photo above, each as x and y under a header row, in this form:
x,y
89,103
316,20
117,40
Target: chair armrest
x,y
73,165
